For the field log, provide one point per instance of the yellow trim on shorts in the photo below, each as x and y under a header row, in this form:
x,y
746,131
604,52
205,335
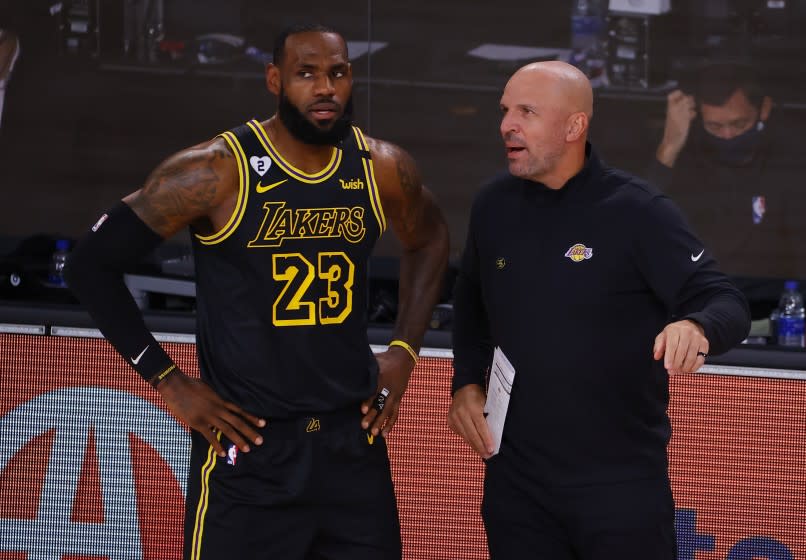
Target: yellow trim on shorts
x,y
243,193
372,185
204,498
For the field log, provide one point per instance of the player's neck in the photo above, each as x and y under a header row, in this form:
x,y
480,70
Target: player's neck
x,y
308,158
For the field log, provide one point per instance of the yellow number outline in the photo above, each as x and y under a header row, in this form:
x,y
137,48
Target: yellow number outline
x,y
333,274
331,266
295,303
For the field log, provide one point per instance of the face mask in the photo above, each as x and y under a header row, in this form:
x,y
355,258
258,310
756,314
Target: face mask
x,y
736,151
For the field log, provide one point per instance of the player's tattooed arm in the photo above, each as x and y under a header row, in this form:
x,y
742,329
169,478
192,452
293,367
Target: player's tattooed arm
x,y
417,221
408,205
188,187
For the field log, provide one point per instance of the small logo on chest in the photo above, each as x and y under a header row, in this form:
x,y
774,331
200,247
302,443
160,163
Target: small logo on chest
x,y
260,164
578,252
352,184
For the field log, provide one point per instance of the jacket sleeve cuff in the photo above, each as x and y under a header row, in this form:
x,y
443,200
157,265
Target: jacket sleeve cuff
x,y
460,379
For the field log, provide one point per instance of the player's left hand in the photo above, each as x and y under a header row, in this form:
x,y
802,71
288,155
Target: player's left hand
x,y
683,347
395,367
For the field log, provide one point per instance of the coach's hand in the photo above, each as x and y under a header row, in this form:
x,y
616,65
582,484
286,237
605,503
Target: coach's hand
x,y
683,347
197,405
380,412
466,418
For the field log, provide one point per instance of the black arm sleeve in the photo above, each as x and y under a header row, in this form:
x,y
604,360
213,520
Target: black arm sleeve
x,y
472,343
94,272
660,175
683,274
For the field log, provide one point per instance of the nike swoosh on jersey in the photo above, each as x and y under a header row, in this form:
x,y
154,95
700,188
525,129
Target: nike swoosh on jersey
x,y
261,189
136,360
695,259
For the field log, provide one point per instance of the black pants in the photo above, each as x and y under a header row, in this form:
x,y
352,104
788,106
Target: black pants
x,y
630,520
318,488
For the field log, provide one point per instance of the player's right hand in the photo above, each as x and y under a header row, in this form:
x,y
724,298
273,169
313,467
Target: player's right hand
x,y
466,418
195,403
681,109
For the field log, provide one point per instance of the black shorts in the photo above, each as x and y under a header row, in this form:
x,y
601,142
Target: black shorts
x,y
628,520
318,487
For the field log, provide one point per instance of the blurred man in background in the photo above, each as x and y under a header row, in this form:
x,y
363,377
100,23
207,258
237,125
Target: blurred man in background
x,y
728,157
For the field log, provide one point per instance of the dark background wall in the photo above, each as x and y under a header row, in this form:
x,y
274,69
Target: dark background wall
x,y
83,129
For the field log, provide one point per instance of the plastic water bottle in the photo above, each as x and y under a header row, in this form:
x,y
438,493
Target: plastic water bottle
x,y
587,32
57,261
790,320
775,315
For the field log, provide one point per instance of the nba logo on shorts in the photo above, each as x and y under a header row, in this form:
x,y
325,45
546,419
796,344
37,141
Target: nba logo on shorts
x,y
232,454
759,208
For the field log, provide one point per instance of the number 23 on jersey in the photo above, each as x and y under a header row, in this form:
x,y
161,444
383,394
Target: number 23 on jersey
x,y
295,306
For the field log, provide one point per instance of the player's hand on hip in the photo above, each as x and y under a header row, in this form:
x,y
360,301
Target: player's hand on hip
x,y
195,403
683,347
381,409
466,418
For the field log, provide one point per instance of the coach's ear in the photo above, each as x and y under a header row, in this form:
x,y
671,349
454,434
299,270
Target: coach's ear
x,y
273,81
577,126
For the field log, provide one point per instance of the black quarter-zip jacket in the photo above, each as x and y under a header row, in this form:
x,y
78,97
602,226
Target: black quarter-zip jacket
x,y
574,285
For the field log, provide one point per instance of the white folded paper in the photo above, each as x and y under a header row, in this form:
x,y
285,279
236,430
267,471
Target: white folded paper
x,y
502,374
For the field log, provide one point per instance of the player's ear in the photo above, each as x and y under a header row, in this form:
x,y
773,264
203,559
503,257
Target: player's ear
x,y
273,79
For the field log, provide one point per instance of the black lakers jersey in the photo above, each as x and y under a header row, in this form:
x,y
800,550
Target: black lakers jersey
x,y
281,288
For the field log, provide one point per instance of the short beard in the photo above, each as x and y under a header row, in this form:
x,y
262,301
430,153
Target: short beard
x,y
306,131
535,168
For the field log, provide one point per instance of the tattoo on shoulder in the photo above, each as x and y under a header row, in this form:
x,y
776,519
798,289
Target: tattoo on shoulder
x,y
409,177
184,186
222,152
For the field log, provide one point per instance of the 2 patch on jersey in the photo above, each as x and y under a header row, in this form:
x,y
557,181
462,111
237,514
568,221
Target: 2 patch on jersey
x,y
261,165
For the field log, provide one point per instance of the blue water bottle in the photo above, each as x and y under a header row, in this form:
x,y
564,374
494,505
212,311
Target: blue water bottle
x,y
791,318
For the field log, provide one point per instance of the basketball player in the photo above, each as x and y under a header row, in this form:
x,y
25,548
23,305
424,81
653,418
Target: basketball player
x,y
284,214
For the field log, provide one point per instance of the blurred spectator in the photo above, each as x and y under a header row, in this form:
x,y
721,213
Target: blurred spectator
x,y
733,162
30,25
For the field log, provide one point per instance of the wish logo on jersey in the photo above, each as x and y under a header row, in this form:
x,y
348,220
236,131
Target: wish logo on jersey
x,y
352,184
578,252
281,223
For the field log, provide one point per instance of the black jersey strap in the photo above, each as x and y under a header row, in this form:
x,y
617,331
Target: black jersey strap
x,y
356,138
